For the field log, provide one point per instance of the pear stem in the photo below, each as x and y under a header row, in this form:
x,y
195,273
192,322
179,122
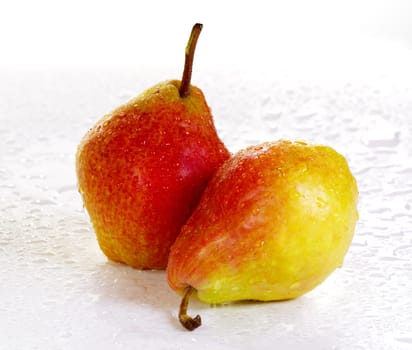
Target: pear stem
x,y
190,52
188,322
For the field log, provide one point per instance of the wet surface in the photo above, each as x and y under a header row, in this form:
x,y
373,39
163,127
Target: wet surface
x,y
59,291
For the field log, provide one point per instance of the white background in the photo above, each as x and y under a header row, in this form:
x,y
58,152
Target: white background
x,y
56,33
335,72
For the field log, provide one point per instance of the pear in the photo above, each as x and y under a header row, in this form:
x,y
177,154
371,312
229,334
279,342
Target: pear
x,y
274,221
143,167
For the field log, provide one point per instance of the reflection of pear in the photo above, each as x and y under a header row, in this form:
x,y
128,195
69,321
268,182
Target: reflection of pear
x,y
272,224
142,169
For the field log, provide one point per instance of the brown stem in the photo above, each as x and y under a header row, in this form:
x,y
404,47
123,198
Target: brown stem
x,y
188,322
190,52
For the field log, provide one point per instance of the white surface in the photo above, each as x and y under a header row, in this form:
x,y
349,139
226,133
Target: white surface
x,y
59,292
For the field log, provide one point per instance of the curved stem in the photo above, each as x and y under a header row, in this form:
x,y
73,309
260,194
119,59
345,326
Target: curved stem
x,y
188,322
190,52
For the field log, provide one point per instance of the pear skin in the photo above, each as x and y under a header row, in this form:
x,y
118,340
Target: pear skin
x,y
142,169
272,224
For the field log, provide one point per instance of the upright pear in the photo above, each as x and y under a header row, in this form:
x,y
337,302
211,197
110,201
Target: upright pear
x,y
273,223
143,167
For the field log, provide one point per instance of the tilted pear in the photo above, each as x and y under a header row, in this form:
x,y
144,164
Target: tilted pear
x,y
272,224
142,168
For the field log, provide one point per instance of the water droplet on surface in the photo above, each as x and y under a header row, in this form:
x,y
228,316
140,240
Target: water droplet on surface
x,y
67,188
383,135
403,251
66,334
44,202
405,340
272,116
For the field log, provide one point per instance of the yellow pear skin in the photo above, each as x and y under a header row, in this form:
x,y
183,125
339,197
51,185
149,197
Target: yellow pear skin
x,y
273,223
